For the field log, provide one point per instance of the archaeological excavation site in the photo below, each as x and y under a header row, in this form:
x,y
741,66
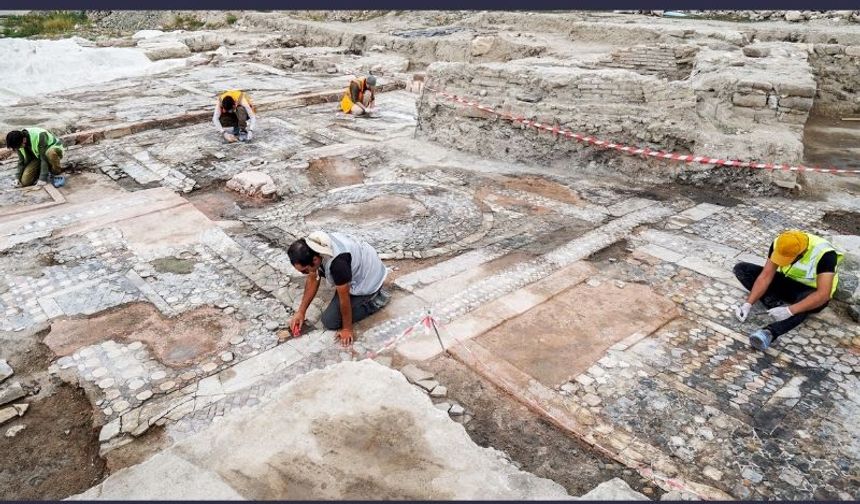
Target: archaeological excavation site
x,y
430,255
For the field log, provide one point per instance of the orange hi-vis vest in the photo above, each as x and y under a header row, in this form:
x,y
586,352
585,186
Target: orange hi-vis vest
x,y
346,102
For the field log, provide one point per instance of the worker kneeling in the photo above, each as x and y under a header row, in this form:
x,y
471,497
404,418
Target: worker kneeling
x,y
39,155
355,270
235,116
798,279
360,97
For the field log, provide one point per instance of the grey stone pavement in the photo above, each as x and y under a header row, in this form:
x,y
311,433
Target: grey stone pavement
x,y
687,404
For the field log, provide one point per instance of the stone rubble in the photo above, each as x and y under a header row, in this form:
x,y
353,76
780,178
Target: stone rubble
x,y
5,370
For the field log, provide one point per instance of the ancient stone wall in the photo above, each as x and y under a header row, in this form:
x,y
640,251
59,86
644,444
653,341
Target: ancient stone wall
x,y
837,69
664,60
748,105
629,107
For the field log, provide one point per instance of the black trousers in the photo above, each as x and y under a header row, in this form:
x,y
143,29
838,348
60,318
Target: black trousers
x,y
782,291
362,307
238,120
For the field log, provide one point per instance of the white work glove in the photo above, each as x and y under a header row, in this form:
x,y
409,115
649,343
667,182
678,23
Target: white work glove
x,y
41,183
780,313
743,311
249,135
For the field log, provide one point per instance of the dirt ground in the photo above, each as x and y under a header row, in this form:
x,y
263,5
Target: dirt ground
x,y
538,447
844,222
56,454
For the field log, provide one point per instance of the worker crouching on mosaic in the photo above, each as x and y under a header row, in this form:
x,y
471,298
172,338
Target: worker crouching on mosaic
x,y
39,155
798,279
360,97
235,116
352,266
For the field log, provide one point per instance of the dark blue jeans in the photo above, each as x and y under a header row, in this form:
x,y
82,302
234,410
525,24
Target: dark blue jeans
x,y
782,291
362,307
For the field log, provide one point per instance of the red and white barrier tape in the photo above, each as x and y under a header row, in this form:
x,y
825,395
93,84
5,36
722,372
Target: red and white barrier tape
x,y
637,151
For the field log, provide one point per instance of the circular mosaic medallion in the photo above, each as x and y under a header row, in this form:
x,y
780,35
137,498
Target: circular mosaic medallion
x,y
399,219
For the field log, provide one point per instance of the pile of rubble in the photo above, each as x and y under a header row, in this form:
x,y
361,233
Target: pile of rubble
x,y
9,393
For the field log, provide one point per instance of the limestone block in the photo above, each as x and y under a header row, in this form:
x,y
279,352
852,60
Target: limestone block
x,y
11,393
252,183
164,50
749,100
794,16
853,51
203,41
756,52
794,89
482,44
796,102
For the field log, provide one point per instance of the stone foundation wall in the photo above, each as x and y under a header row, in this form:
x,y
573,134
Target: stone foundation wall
x,y
663,60
422,49
629,107
748,105
837,69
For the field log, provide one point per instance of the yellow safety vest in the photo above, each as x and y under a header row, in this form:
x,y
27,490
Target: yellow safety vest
x,y
237,96
346,102
804,270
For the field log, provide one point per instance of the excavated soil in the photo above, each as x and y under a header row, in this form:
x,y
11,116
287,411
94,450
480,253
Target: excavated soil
x,y
533,444
56,454
176,342
219,203
335,172
844,222
544,187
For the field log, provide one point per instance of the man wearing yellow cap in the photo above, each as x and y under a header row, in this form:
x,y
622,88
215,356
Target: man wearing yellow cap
x,y
798,279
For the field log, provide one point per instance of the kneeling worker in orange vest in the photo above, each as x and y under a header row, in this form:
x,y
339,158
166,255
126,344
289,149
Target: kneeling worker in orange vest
x,y
235,116
798,279
360,97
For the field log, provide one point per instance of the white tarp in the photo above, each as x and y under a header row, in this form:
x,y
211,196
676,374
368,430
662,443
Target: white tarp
x,y
35,67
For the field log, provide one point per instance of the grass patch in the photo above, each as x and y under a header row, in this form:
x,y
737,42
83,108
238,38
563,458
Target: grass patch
x,y
185,22
47,23
231,19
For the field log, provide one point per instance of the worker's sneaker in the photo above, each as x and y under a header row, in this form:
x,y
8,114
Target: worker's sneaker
x,y
761,339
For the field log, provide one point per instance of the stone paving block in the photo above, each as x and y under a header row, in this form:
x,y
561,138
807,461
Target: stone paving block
x,y
661,253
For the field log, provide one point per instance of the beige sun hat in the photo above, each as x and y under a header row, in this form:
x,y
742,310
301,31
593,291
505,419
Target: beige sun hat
x,y
319,242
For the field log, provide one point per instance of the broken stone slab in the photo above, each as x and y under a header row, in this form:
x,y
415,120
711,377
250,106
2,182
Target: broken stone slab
x,y
444,406
109,430
203,41
14,430
439,392
164,49
11,393
456,410
252,183
427,385
415,374
14,411
614,489
5,370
